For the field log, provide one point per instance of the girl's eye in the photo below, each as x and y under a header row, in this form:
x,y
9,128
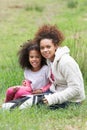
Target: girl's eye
x,y
34,57
30,56
38,57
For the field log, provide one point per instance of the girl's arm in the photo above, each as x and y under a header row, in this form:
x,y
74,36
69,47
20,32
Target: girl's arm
x,y
42,90
26,83
46,87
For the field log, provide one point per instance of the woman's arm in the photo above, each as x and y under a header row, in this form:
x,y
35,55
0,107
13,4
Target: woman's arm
x,y
75,86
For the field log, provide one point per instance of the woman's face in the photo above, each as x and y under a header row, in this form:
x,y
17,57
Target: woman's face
x,y
35,60
48,48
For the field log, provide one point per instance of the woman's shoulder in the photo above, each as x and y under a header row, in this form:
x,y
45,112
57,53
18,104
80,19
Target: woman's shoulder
x,y
67,59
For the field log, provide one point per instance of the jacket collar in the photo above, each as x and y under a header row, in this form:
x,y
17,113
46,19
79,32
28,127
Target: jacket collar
x,y
60,52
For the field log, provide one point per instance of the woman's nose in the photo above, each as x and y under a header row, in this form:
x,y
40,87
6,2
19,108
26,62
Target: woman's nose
x,y
45,49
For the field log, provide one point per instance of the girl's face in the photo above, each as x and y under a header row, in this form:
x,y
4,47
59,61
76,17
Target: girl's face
x,y
48,48
35,60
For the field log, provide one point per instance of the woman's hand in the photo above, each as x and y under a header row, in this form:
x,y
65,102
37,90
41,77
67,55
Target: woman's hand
x,y
38,91
45,101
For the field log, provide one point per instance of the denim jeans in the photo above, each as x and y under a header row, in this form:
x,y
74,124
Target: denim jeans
x,y
63,105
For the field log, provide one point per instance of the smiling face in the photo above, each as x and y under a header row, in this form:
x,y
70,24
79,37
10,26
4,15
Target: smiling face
x,y
35,60
48,48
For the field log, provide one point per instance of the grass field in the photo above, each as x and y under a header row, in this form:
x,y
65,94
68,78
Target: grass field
x,y
19,21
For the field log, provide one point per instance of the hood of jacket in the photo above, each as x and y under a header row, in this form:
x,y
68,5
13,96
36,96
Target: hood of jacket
x,y
60,52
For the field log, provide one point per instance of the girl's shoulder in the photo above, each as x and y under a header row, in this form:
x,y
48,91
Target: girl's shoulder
x,y
45,67
26,70
45,70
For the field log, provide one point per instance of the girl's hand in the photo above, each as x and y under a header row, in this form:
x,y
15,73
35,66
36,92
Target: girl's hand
x,y
15,89
45,101
38,91
24,83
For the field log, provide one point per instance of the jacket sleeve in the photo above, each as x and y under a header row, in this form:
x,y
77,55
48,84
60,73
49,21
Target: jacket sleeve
x,y
46,87
75,86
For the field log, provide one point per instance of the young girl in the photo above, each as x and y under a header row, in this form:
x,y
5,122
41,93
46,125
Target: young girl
x,y
68,85
35,73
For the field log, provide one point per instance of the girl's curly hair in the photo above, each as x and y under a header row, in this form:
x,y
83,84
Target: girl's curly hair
x,y
49,32
23,54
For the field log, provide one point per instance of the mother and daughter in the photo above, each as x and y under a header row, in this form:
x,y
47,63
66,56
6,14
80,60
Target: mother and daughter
x,y
61,82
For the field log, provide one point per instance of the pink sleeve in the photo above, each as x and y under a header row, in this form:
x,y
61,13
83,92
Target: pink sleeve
x,y
26,83
45,88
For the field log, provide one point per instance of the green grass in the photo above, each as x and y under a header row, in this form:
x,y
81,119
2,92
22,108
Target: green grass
x,y
43,118
19,21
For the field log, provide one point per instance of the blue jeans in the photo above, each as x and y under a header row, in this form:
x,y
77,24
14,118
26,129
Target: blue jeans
x,y
63,105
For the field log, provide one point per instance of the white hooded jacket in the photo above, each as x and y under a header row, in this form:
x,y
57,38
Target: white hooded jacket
x,y
68,81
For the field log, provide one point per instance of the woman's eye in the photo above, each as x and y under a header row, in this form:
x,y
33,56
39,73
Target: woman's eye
x,y
48,46
41,48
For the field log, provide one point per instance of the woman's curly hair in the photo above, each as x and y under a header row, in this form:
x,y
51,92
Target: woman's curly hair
x,y
23,54
49,32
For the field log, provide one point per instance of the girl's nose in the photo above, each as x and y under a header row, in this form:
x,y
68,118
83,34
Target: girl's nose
x,y
34,58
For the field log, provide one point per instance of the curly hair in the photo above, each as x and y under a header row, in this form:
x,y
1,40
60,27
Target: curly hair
x,y
49,32
23,54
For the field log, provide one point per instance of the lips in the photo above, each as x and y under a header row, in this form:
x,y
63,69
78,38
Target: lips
x,y
46,55
34,63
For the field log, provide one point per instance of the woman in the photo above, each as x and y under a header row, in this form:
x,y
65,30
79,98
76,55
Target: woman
x,y
67,86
